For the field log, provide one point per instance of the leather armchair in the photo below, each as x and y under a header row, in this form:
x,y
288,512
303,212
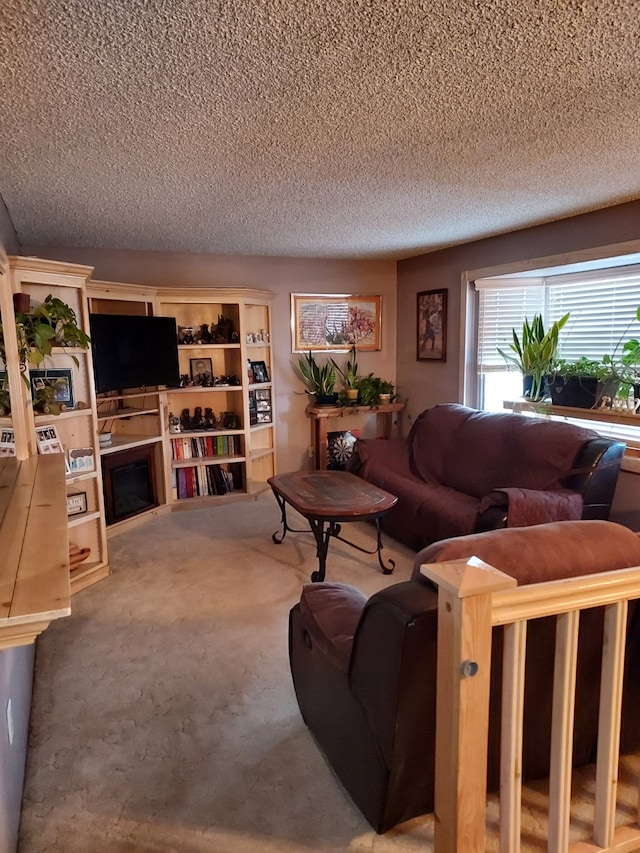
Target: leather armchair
x,y
364,670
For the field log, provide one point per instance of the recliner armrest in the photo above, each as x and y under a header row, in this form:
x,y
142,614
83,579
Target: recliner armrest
x,y
330,614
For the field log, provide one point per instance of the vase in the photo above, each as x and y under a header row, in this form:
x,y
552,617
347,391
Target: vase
x,y
326,399
385,399
352,395
581,392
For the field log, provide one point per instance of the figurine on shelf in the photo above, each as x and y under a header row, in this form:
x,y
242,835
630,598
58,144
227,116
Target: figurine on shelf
x,y
210,419
197,422
250,375
185,420
204,334
185,380
174,423
230,420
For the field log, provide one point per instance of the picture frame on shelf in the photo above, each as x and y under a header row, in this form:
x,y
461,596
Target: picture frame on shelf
x,y
48,440
59,380
260,372
431,324
76,504
7,442
336,322
81,460
201,371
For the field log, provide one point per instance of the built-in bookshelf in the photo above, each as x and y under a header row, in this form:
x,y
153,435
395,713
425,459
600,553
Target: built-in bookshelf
x,y
66,422
207,445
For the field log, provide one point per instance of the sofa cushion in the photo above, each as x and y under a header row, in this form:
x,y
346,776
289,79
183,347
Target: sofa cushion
x,y
544,552
330,614
476,452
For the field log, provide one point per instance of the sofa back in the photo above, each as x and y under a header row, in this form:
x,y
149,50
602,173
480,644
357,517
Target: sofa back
x,y
474,452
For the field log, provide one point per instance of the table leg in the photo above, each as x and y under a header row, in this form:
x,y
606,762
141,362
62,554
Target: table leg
x,y
277,538
322,537
386,570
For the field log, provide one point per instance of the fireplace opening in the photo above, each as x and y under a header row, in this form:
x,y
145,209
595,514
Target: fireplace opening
x,y
129,483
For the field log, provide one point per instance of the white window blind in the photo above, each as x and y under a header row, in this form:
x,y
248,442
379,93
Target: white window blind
x,y
602,305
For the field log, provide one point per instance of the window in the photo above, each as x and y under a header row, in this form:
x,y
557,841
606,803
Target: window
x,y
602,306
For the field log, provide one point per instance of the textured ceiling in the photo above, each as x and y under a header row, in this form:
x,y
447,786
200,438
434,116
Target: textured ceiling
x,y
339,128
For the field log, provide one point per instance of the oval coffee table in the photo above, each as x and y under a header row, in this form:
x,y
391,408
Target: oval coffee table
x,y
326,498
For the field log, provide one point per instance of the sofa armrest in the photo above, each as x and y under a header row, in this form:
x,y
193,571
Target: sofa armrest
x,y
595,475
526,507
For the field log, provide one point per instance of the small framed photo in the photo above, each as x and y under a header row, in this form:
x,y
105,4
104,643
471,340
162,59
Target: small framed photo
x,y
7,442
77,503
48,439
201,371
52,385
81,460
260,372
432,325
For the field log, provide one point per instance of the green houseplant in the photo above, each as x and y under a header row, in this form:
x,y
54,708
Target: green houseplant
x,y
320,379
349,376
535,354
583,383
51,324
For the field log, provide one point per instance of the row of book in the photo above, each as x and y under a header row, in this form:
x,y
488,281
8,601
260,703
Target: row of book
x,y
205,445
201,481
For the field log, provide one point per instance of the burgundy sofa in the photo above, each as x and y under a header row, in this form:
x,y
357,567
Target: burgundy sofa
x,y
364,670
462,471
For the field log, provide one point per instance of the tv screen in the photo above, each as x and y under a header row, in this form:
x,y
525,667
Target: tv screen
x,y
134,351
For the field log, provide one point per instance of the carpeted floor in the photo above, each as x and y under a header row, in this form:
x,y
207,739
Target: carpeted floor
x,y
164,717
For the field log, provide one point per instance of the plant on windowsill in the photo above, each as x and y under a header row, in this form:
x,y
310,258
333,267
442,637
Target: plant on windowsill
x,y
320,379
583,383
534,354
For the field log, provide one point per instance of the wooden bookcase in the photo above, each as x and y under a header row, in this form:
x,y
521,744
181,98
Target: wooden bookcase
x,y
243,457
76,428
198,467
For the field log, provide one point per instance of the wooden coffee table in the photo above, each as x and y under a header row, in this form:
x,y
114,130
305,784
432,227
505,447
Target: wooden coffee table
x,y
326,498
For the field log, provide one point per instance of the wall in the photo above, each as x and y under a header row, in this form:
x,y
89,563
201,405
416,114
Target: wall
x,y
16,677
428,383
282,276
8,238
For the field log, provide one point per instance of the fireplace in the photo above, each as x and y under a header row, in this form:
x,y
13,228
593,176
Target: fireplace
x,y
129,482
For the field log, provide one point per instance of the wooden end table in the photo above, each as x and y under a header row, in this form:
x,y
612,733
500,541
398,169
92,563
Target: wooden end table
x,y
326,498
386,425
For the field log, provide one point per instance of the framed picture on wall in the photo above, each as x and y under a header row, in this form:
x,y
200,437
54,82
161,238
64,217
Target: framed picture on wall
x,y
336,322
432,325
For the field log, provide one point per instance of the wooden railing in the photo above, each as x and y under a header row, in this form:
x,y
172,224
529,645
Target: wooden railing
x,y
474,597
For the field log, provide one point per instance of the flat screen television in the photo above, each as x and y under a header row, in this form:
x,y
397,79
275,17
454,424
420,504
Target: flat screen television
x,y
132,351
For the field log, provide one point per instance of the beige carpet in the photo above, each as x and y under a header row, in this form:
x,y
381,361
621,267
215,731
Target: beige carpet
x,y
164,718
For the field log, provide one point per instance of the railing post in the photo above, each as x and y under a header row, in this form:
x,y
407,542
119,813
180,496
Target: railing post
x,y
462,699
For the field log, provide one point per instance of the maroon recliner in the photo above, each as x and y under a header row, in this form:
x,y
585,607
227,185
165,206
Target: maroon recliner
x,y
364,670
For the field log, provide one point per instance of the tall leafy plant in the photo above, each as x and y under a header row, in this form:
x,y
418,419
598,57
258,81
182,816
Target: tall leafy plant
x,y
320,379
535,353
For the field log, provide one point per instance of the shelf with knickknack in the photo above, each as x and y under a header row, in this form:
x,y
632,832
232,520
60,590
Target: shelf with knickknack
x,y
52,396
220,331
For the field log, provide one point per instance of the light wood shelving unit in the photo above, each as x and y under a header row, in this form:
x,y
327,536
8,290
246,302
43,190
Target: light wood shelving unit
x,y
77,427
139,417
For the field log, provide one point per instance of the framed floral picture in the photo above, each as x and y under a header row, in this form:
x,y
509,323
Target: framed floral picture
x,y
432,325
336,322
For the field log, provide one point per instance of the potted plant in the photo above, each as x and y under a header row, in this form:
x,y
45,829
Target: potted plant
x,y
52,323
320,379
535,354
583,383
631,361
385,391
349,376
